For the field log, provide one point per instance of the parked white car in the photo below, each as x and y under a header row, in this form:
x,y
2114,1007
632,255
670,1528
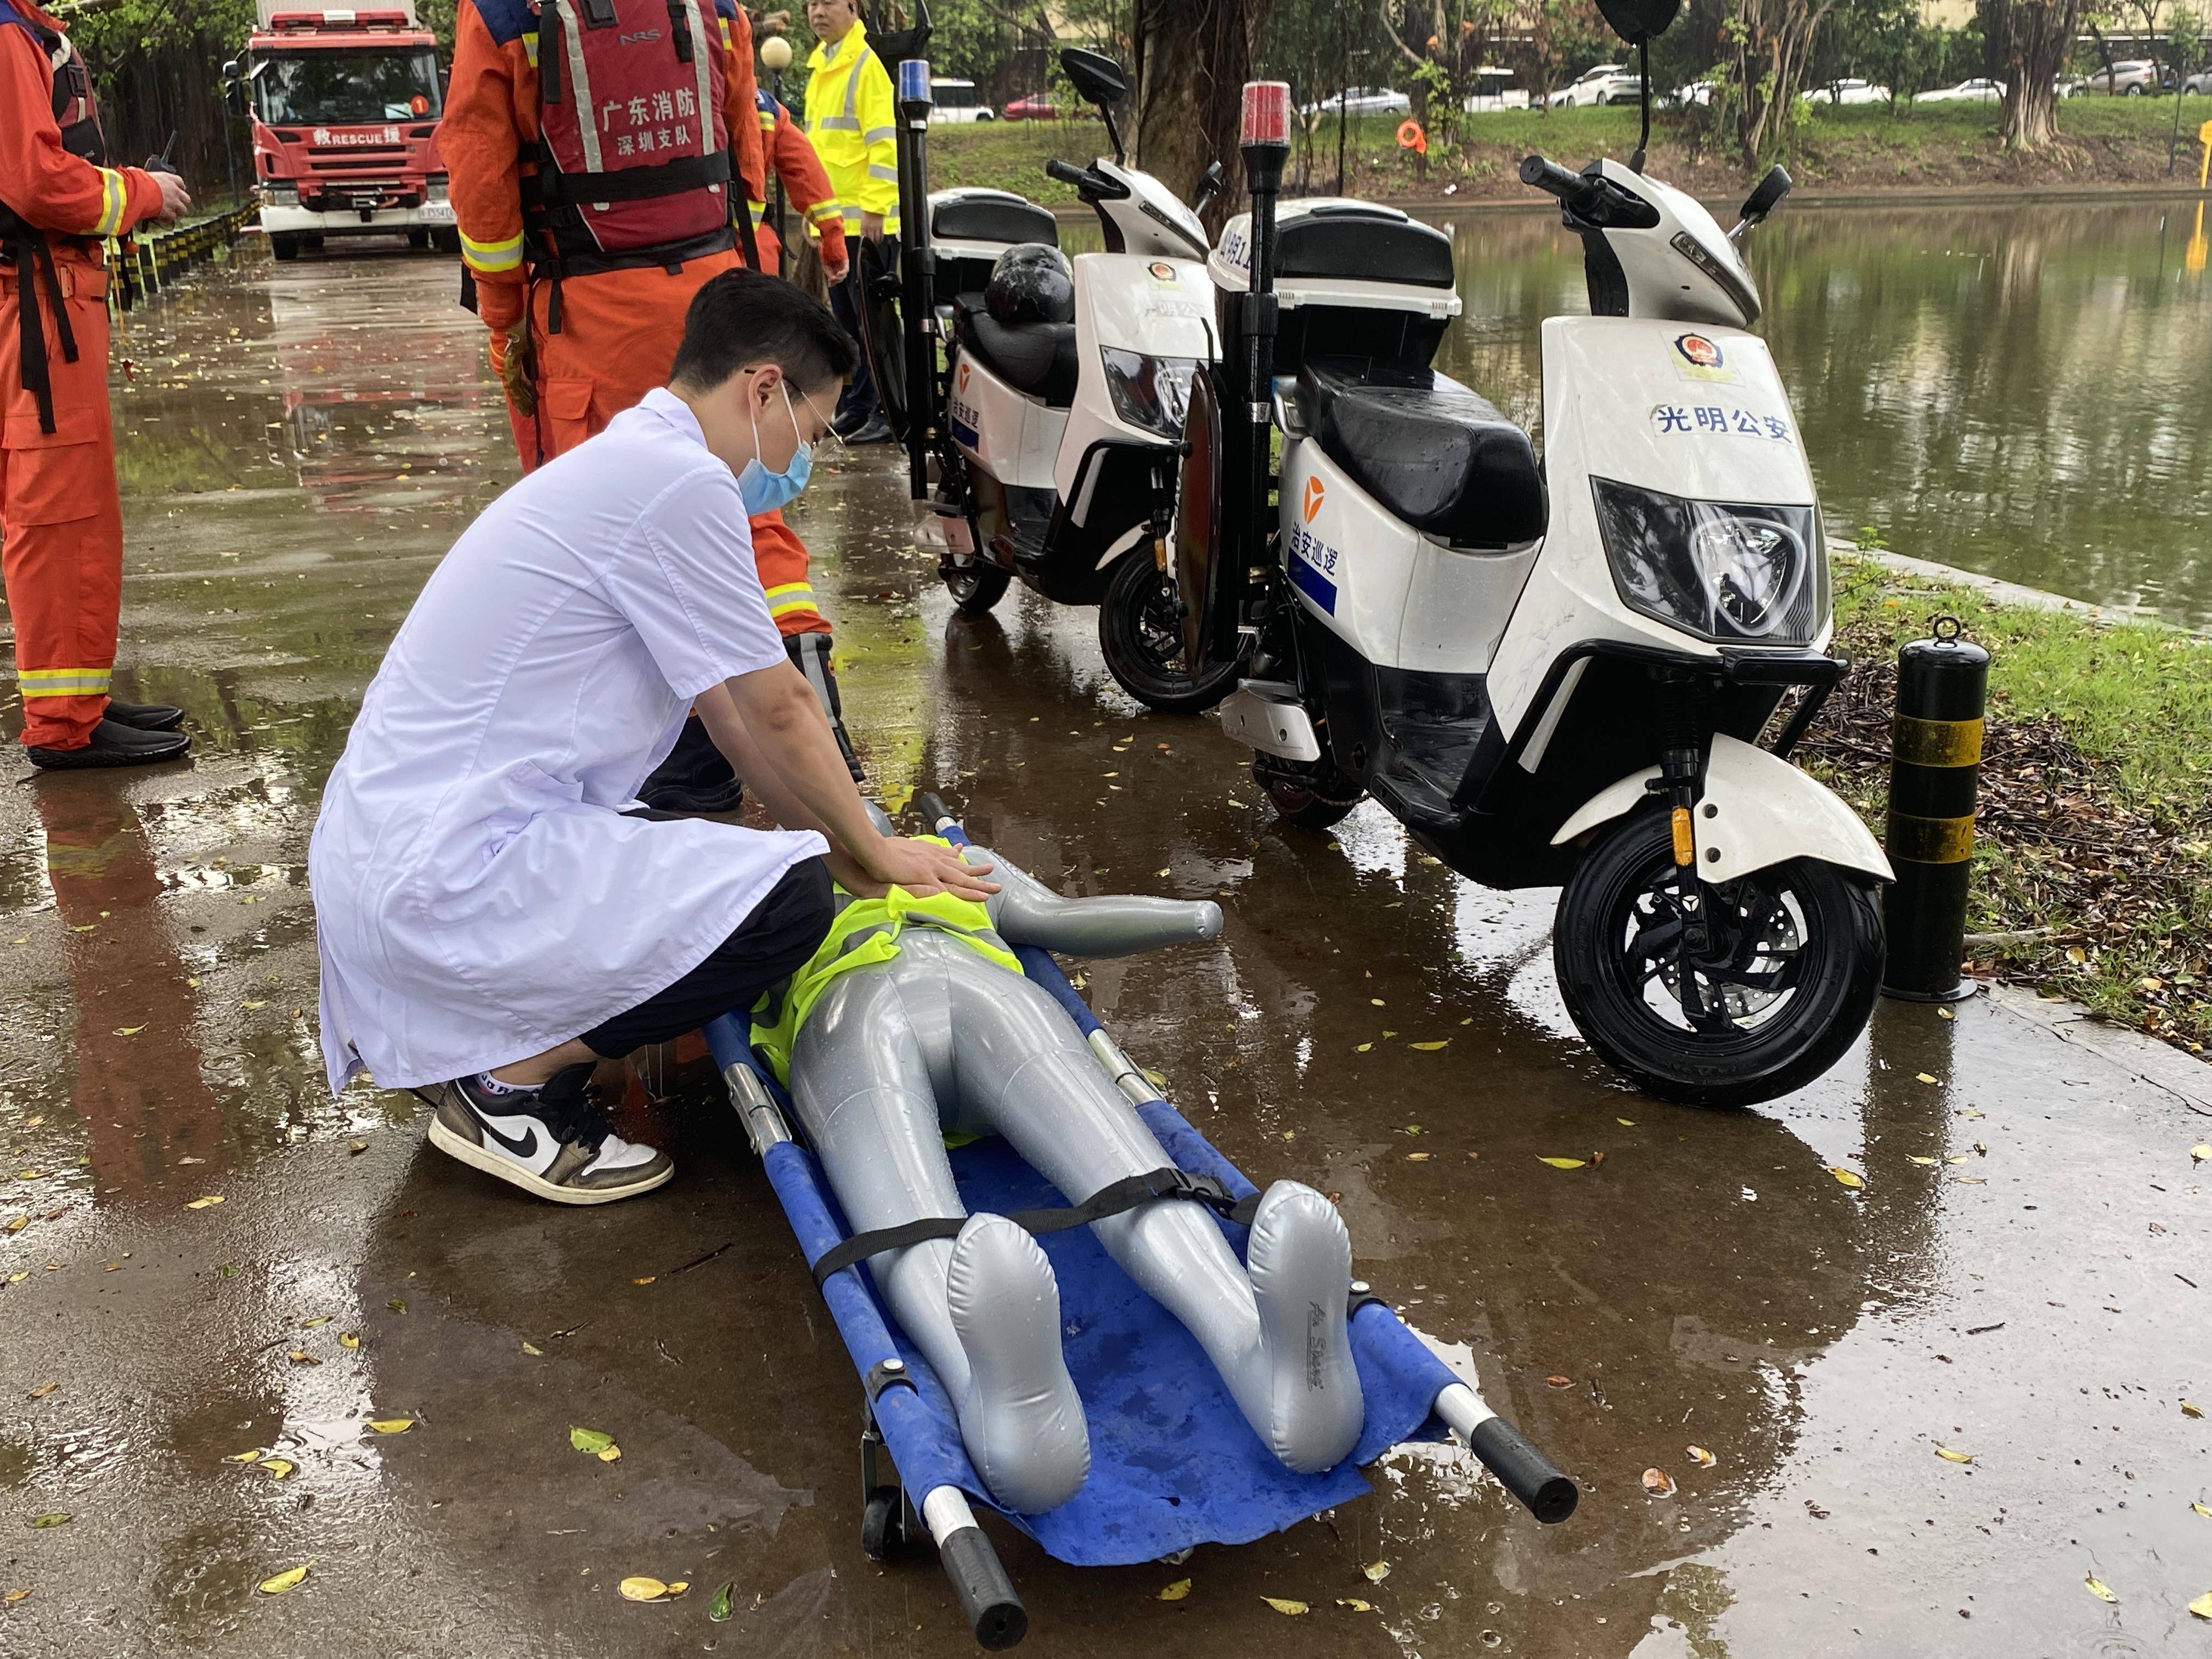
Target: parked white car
x,y
2200,83
1697,95
958,100
1607,83
1363,100
1979,90
1847,91
2131,77
1493,91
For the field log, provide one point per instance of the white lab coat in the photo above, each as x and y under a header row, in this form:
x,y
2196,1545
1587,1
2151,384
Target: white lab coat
x,y
479,895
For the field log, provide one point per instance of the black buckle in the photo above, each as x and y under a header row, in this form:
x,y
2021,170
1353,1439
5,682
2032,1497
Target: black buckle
x,y
1199,1189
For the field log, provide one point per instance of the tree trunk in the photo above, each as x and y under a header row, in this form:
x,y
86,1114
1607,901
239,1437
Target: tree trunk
x,y
2030,40
1192,58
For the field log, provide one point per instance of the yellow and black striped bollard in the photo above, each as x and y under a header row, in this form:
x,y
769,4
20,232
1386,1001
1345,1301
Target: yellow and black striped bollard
x,y
1934,779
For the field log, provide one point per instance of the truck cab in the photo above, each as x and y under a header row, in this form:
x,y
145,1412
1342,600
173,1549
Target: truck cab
x,y
344,106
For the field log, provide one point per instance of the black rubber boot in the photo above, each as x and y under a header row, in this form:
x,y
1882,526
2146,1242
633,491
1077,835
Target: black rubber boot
x,y
114,744
146,716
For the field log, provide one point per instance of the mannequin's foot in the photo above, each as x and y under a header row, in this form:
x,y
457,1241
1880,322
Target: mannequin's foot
x,y
1300,1263
1022,1419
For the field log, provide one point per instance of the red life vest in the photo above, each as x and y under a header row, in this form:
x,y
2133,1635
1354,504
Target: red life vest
x,y
634,163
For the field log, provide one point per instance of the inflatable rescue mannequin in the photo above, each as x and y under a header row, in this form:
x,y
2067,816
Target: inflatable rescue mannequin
x,y
913,1019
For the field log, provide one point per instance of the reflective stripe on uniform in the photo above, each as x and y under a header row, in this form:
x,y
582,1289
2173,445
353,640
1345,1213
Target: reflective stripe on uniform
x,y
114,197
530,48
790,596
878,135
822,212
493,256
839,124
760,212
579,81
63,682
878,170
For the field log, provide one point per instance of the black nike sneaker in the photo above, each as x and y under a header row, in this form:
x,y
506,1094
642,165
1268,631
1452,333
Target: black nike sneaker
x,y
550,1141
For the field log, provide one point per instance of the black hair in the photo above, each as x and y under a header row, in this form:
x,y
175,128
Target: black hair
x,y
743,320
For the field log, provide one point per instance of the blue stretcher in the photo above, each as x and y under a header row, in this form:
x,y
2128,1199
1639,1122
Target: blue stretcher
x,y
1172,1462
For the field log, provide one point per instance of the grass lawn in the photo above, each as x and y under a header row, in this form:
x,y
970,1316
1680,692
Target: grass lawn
x,y
2094,840
2105,140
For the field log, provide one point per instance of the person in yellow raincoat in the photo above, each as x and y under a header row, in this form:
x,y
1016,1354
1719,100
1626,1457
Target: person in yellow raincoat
x,y
850,118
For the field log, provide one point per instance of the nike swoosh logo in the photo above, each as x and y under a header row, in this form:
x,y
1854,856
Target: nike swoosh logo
x,y
523,1146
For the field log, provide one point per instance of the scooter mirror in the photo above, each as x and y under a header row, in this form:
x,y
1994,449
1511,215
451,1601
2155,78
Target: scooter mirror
x,y
1209,186
1097,79
1639,21
1766,196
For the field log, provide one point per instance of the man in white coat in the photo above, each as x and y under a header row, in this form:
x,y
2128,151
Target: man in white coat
x,y
494,910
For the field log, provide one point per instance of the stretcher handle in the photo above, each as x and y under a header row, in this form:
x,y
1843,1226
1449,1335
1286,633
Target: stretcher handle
x,y
987,1601
1525,1472
933,809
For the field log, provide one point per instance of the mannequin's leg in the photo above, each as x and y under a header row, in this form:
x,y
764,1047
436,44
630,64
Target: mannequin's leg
x,y
983,1307
1275,1326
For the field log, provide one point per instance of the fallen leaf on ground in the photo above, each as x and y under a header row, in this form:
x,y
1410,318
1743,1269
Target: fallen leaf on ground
x,y
319,1321
54,1519
301,1357
1847,1178
349,1340
277,1467
2198,1153
391,1424
1659,1482
1174,1592
2203,1510
283,1581
1701,1458
1952,1455
643,1590
43,1389
1562,1162
2189,1410
676,1587
17,1225
590,1440
1283,1605
208,1202
1922,1077
1363,1048
1355,1604
355,1148
1415,1157
1559,1382
1377,1571
647,1280
129,1031
1917,1159
253,1456
2201,1606
1625,1122
15,1595
2097,1588
719,1608
1430,1048
397,1305
533,1350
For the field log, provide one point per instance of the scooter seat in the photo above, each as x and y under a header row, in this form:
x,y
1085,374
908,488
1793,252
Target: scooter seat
x,y
1428,448
1038,358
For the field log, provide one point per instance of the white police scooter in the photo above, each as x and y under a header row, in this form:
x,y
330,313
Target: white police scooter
x,y
1045,433
1556,676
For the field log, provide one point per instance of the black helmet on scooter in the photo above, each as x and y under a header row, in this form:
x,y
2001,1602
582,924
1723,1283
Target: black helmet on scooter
x,y
1031,283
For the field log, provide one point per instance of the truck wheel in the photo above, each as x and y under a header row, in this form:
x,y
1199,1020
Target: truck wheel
x,y
418,239
284,243
446,242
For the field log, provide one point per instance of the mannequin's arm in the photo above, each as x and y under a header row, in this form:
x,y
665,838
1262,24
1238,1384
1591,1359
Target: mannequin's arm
x,y
1027,912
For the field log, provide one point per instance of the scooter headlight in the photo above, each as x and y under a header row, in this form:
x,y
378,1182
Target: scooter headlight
x,y
1735,574
1150,393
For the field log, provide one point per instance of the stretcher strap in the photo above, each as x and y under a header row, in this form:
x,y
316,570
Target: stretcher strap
x,y
1111,1200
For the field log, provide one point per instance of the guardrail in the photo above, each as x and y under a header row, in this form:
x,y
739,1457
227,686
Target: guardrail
x,y
149,262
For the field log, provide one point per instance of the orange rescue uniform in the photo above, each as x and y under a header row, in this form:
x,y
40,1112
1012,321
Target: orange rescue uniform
x,y
61,519
619,329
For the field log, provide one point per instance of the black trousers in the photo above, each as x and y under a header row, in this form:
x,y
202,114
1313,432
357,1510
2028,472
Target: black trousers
x,y
784,929
860,397
696,764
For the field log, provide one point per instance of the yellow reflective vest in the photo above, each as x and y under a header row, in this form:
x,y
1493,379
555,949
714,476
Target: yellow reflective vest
x,y
850,117
867,931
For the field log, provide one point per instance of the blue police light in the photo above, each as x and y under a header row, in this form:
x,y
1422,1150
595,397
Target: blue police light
x,y
914,81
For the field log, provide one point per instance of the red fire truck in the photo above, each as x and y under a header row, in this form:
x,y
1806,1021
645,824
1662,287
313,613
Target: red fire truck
x,y
345,106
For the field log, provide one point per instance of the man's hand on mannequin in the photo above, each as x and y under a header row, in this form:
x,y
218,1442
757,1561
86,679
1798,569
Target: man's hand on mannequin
x,y
770,725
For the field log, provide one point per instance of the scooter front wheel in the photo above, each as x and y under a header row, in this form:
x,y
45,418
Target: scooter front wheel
x,y
1141,633
974,587
1784,984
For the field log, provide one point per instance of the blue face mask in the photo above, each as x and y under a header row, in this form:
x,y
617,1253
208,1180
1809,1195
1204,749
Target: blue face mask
x,y
764,491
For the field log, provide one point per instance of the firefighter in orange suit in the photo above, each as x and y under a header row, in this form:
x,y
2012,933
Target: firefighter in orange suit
x,y
696,777
61,520
595,197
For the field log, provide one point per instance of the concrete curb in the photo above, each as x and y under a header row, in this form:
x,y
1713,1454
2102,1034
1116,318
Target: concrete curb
x,y
2143,1058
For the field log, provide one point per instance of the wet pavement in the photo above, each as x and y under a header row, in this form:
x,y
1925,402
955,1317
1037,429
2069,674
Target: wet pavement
x,y
2021,1278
